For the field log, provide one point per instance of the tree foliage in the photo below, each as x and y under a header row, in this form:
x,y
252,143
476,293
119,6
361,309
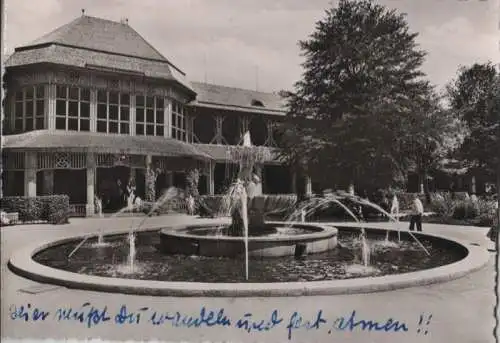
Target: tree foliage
x,y
361,76
475,98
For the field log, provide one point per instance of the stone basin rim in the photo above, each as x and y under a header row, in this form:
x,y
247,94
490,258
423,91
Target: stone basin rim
x,y
21,263
318,231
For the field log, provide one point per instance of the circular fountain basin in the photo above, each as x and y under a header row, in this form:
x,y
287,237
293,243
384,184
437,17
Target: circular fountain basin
x,y
284,240
470,258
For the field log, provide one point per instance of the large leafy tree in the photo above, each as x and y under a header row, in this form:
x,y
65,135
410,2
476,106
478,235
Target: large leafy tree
x,y
430,134
475,97
361,76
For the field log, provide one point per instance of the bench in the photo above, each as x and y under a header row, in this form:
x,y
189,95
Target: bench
x,y
10,218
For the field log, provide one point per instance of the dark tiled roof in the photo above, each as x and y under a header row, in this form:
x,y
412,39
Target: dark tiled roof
x,y
89,41
102,143
103,35
215,96
69,56
221,152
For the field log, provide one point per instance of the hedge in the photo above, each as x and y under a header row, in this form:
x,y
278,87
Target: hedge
x,y
53,209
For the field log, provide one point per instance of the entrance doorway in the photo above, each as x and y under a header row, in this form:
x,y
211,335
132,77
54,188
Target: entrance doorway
x,y
112,187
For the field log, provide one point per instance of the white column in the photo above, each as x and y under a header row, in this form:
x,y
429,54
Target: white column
x,y
211,178
132,115
30,174
168,117
51,107
93,110
473,185
308,185
46,106
91,171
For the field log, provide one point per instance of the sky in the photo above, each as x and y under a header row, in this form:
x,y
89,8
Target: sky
x,y
253,44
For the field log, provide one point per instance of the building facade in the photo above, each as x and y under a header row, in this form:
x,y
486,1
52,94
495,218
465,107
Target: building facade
x,y
92,106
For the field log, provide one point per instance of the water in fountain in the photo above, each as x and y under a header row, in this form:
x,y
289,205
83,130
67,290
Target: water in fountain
x,y
315,204
237,200
132,251
393,219
100,237
168,195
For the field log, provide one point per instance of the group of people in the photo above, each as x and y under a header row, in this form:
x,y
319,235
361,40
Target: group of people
x,y
116,195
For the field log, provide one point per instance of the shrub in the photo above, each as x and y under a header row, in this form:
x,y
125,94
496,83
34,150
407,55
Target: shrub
x,y
443,204
51,208
487,212
465,209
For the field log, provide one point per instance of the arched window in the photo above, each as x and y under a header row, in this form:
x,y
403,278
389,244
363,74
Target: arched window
x,y
257,103
204,128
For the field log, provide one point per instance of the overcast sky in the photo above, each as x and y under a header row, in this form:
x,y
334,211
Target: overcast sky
x,y
253,43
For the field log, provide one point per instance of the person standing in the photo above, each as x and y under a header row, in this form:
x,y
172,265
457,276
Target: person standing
x,y
417,211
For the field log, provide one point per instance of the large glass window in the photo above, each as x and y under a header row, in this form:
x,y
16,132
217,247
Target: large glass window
x,y
113,112
178,121
149,115
29,109
72,108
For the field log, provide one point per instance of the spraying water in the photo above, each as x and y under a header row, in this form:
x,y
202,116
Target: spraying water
x,y
132,251
100,236
316,203
244,215
170,194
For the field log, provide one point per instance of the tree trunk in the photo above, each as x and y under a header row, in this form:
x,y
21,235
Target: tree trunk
x,y
426,188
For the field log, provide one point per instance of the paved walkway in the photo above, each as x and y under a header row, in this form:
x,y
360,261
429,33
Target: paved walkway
x,y
462,310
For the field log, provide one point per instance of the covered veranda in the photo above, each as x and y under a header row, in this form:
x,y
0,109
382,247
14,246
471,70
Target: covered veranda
x,y
84,165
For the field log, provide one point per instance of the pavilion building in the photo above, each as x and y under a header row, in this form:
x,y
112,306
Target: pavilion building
x,y
92,104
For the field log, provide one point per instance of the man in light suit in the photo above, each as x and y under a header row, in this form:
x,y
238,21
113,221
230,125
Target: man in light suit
x,y
417,211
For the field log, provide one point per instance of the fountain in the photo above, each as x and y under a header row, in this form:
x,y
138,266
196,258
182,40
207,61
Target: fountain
x,y
248,235
292,257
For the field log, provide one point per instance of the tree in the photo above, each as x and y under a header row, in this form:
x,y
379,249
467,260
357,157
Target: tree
x,y
429,135
361,75
475,97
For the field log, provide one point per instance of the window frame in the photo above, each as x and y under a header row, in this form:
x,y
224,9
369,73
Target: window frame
x,y
157,111
35,99
68,117
120,107
179,116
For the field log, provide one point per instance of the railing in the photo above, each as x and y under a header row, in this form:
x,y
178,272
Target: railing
x,y
77,210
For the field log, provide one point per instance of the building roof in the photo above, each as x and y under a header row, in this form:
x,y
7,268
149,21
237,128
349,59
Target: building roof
x,y
102,35
101,143
89,41
223,97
